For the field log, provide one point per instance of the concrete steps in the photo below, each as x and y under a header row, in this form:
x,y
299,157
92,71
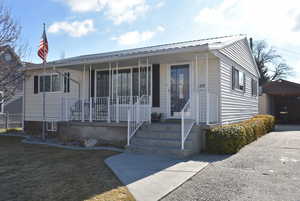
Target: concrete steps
x,y
165,139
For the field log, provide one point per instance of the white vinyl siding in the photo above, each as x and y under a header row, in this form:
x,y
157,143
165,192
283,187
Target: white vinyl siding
x,y
240,53
34,102
236,106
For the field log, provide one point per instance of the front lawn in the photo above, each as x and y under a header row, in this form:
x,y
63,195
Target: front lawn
x,y
36,172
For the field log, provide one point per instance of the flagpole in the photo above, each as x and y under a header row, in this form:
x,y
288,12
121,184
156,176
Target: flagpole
x,y
44,94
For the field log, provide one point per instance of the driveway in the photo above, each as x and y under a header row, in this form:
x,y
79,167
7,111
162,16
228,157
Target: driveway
x,y
267,169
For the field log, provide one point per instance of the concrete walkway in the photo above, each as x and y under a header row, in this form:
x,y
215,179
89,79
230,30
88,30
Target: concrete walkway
x,y
150,177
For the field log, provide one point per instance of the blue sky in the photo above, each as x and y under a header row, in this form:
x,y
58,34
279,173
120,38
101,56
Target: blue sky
x,y
76,27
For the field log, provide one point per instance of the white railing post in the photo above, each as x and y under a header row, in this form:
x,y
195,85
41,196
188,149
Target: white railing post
x,y
118,118
62,108
149,109
66,104
91,103
207,109
108,109
128,127
82,110
217,97
182,129
138,110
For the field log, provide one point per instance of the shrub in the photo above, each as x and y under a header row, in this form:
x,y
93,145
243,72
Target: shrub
x,y
229,139
269,121
226,139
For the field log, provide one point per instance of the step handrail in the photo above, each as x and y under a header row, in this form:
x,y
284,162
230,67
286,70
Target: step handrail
x,y
137,116
186,126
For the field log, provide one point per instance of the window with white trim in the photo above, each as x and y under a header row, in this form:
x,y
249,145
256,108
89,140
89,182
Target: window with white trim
x,y
52,83
51,126
238,79
254,87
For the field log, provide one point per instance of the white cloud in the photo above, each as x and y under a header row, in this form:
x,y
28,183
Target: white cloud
x,y
74,29
297,26
160,4
136,37
118,11
275,20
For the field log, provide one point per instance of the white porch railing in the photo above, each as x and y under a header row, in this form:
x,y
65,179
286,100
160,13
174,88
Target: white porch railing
x,y
187,122
101,108
138,113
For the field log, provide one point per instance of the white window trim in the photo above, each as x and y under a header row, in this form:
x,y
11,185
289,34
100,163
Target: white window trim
x,y
60,83
244,74
257,88
53,126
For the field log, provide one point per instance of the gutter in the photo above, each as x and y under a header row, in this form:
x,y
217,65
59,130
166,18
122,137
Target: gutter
x,y
114,58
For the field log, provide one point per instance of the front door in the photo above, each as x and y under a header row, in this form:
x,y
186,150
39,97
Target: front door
x,y
180,88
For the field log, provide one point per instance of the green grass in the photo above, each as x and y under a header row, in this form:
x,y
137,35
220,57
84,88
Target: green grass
x,y
36,172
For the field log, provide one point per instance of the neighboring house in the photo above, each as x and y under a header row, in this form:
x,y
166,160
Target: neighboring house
x,y
12,104
281,98
201,82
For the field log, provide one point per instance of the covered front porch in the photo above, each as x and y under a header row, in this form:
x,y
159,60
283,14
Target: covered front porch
x,y
176,86
182,86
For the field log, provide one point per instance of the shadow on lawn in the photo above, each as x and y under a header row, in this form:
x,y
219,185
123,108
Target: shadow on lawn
x,y
33,172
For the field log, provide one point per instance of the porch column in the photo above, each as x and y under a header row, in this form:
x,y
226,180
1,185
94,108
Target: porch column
x,y
197,90
109,93
207,94
131,90
91,99
147,78
148,96
117,93
82,99
139,67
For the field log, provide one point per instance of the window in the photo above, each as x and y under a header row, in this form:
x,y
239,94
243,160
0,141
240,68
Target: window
x,y
55,83
238,79
45,82
51,126
52,83
124,82
66,82
1,102
254,87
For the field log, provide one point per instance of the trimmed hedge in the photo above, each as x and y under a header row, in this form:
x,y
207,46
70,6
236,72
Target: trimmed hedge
x,y
229,139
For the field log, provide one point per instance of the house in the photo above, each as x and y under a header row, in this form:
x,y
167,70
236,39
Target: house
x,y
111,96
12,101
281,98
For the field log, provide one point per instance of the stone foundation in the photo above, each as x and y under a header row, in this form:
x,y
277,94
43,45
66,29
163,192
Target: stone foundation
x,y
35,128
105,133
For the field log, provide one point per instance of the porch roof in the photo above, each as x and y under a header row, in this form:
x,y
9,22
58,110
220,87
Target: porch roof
x,y
187,46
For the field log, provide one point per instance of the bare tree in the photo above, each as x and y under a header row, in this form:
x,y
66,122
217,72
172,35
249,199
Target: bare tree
x,y
270,64
11,74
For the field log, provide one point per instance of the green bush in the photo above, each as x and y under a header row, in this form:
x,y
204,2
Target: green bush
x,y
229,139
226,139
269,121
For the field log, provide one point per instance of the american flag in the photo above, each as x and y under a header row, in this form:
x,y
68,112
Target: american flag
x,y
43,48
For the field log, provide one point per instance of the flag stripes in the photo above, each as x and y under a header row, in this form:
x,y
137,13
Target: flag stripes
x,y
43,47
